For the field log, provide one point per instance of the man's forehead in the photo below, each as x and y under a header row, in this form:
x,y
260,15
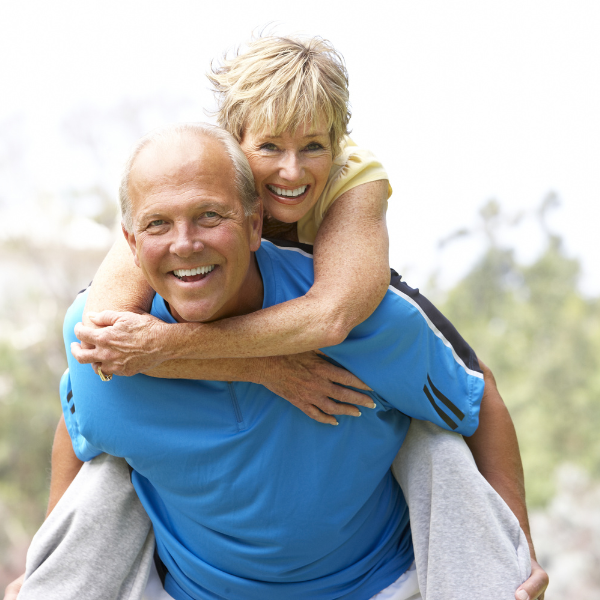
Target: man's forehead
x,y
185,159
181,153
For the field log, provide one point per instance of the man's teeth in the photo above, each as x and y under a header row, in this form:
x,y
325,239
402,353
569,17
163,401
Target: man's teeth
x,y
288,193
192,272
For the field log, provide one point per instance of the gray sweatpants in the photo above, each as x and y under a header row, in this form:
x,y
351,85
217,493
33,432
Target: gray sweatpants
x,y
98,544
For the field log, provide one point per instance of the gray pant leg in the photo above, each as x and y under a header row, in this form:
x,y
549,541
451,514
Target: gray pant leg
x,y
468,543
97,544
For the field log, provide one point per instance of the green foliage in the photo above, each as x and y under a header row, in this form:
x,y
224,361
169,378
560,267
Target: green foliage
x,y
32,360
541,339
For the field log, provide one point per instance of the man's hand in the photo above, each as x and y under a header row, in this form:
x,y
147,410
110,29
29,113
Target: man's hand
x,y
13,589
124,343
535,586
309,383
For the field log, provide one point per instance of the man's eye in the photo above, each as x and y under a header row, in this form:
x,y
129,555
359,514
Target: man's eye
x,y
156,223
211,214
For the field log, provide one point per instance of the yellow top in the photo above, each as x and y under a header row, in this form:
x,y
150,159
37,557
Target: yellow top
x,y
351,167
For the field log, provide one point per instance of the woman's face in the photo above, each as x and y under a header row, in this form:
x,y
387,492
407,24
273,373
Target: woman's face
x,y
290,171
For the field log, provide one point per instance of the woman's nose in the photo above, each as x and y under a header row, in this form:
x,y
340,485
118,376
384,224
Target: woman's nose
x,y
291,168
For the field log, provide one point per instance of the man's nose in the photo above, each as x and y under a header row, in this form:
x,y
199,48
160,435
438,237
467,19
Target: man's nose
x,y
291,168
187,240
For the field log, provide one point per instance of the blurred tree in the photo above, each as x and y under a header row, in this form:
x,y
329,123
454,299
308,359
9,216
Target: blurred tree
x,y
541,338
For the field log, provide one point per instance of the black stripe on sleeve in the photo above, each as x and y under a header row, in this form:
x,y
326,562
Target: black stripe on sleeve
x,y
439,411
462,349
289,244
449,404
69,396
72,408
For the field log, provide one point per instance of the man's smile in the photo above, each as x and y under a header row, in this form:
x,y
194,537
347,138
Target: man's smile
x,y
195,274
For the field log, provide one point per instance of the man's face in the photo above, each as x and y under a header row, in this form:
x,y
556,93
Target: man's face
x,y
190,236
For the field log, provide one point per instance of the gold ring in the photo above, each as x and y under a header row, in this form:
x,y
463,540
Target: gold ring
x,y
103,376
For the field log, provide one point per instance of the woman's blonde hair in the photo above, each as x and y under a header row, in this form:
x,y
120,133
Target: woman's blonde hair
x,y
279,83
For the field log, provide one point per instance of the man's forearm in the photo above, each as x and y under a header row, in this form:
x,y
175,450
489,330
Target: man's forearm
x,y
496,452
65,465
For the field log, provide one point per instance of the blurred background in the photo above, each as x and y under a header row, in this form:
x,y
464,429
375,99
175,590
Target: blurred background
x,y
486,118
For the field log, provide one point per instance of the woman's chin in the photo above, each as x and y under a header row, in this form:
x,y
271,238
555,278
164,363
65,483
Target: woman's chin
x,y
286,212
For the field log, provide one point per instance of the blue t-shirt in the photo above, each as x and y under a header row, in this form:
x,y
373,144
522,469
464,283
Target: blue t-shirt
x,y
251,499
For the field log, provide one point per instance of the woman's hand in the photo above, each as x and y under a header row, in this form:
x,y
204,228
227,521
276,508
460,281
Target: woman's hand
x,y
535,586
124,343
311,384
13,589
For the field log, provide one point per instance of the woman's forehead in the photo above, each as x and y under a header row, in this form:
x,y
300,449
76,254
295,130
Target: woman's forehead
x,y
309,128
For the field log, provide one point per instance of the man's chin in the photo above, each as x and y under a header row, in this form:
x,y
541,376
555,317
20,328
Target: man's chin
x,y
184,313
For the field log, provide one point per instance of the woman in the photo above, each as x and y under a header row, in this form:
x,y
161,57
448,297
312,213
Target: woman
x,y
317,187
286,103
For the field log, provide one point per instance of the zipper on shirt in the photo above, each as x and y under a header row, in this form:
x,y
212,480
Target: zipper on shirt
x,y
236,407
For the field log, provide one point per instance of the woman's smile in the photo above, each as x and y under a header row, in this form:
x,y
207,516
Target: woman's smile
x,y
290,169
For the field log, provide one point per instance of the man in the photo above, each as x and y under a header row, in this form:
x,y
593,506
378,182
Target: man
x,y
247,497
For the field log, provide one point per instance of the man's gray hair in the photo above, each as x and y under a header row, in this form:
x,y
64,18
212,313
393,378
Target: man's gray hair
x,y
244,180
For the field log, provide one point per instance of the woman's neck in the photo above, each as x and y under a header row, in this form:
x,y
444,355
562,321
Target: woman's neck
x,y
278,230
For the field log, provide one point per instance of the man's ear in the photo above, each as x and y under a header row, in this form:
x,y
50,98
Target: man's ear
x,y
256,223
131,241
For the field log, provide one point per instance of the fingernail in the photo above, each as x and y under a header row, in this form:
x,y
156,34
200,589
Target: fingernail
x,y
522,595
372,405
358,415
92,315
336,423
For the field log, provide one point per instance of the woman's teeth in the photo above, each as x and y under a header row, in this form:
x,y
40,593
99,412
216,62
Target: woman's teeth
x,y
192,272
288,193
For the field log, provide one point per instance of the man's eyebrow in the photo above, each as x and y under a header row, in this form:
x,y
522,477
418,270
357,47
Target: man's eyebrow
x,y
202,205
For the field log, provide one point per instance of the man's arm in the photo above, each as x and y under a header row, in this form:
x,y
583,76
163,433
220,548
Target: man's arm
x,y
495,449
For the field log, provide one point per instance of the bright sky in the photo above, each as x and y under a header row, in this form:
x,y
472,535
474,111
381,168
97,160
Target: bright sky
x,y
463,101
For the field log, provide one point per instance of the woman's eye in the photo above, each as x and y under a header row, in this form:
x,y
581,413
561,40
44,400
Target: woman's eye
x,y
314,146
268,146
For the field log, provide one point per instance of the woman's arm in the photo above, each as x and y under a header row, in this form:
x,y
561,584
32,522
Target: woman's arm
x,y
65,465
351,277
308,382
118,285
305,380
495,449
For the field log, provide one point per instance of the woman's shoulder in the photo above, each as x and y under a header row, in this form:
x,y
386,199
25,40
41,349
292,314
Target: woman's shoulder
x,y
353,166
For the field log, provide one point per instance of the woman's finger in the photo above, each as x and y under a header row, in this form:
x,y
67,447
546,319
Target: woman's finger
x,y
106,318
535,586
339,375
13,589
314,413
342,394
327,405
87,334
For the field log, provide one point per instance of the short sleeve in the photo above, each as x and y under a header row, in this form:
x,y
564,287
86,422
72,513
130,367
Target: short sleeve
x,y
83,449
415,361
352,167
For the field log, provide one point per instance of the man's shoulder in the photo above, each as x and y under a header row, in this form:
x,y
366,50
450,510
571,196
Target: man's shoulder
x,y
74,314
278,246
